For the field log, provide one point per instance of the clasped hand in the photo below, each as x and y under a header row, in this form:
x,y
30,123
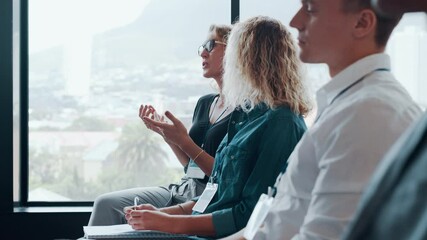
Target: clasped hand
x,y
147,217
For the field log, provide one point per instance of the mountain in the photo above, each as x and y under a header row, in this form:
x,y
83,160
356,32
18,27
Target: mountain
x,y
165,32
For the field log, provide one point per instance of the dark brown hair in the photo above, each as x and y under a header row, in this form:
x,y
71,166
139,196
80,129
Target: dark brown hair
x,y
385,25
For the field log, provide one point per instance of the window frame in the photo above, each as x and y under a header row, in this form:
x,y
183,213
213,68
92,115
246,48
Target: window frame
x,y
45,220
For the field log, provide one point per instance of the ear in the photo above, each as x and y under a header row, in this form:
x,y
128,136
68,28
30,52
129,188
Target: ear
x,y
366,24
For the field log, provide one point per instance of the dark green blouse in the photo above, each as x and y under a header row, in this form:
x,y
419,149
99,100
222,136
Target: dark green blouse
x,y
248,160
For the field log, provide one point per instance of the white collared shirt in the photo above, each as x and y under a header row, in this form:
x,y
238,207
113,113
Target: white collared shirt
x,y
331,165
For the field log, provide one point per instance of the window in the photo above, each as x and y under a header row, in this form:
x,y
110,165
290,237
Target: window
x,y
408,48
93,62
91,65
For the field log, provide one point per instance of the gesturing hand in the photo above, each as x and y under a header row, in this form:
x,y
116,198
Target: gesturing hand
x,y
150,112
175,133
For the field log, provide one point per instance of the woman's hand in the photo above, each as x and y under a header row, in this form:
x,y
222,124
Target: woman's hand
x,y
128,209
151,113
150,220
175,133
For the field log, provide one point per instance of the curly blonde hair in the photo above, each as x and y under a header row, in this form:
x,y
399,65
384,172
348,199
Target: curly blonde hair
x,y
261,65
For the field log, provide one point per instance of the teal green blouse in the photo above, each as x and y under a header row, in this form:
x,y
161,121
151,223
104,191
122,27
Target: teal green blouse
x,y
248,161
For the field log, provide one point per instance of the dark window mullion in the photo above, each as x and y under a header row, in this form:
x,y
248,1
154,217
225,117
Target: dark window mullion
x,y
235,10
6,102
24,92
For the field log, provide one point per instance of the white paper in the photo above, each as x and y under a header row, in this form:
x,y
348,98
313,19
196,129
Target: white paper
x,y
121,231
258,215
107,230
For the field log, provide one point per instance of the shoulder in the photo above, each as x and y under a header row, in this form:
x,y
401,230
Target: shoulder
x,y
208,98
383,87
282,116
378,107
383,97
204,102
282,112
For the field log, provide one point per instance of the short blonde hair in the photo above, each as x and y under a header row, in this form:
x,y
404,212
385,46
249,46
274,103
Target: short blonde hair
x,y
261,65
220,31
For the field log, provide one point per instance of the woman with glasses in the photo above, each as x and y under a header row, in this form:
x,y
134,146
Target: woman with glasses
x,y
194,150
262,80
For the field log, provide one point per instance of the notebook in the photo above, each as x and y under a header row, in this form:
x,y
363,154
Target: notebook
x,y
125,231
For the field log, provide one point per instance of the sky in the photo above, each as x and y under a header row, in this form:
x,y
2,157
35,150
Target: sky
x,y
78,16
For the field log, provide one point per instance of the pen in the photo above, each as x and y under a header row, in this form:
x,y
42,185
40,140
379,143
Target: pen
x,y
135,202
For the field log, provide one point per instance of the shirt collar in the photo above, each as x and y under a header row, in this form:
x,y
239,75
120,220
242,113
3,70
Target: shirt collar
x,y
348,76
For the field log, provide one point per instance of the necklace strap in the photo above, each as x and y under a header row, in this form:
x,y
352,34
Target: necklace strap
x,y
213,110
219,117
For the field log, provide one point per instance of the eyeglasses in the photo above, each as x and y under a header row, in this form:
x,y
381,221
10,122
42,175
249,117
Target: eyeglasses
x,y
209,45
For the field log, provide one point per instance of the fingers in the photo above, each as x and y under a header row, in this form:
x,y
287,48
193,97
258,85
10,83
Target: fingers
x,y
128,209
157,117
137,226
135,215
133,219
150,112
145,219
132,213
137,223
174,120
147,111
128,216
154,123
143,110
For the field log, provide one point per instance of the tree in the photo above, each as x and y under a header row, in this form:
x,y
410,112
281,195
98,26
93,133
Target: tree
x,y
139,160
90,124
43,167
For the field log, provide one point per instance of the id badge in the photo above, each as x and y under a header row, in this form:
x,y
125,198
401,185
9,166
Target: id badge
x,y
206,197
258,215
193,171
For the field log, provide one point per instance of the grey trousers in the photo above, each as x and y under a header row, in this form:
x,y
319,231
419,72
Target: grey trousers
x,y
108,207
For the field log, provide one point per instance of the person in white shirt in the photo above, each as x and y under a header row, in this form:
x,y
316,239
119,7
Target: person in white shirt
x,y
362,111
394,205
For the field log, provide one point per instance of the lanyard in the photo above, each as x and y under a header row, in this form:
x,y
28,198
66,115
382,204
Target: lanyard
x,y
212,179
273,190
348,87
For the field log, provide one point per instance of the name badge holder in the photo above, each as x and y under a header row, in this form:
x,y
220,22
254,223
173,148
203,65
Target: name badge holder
x,y
194,171
260,211
206,196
